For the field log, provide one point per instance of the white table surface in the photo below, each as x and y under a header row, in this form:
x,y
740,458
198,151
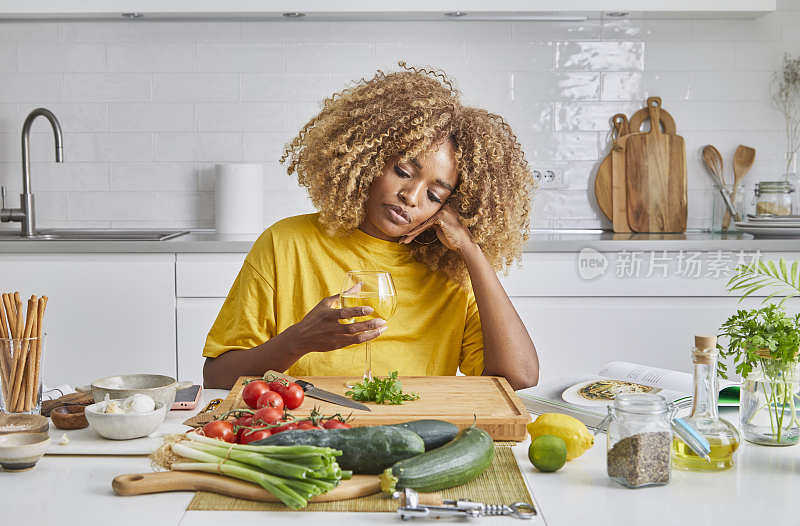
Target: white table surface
x,y
760,489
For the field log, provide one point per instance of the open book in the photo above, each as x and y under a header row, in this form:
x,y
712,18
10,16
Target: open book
x,y
586,397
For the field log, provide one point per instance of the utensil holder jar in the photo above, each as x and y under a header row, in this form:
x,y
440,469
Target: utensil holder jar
x,y
718,207
20,374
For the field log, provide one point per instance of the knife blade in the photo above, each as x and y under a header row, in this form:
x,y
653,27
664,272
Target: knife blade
x,y
314,392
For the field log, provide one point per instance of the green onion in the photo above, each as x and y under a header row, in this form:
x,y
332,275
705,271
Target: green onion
x,y
293,474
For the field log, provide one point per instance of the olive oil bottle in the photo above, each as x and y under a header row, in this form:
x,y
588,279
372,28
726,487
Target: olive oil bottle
x,y
722,436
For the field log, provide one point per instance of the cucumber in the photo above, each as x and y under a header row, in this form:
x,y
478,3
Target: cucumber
x,y
455,463
367,450
434,433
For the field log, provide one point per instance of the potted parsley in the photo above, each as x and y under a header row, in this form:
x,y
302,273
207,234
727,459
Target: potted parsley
x,y
763,345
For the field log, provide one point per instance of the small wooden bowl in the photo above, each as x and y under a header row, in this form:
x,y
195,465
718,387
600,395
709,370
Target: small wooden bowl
x,y
69,417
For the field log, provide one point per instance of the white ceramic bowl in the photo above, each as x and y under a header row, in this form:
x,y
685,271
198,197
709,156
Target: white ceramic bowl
x,y
21,451
117,426
158,387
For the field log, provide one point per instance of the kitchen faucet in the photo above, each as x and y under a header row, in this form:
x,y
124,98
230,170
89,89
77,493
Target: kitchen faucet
x,y
26,213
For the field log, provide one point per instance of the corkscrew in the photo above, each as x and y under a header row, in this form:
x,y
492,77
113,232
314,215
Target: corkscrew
x,y
461,507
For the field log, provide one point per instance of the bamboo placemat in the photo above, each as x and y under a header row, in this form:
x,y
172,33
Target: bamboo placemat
x,y
501,483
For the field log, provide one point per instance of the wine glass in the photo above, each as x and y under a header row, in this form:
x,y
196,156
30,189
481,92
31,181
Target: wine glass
x,y
369,288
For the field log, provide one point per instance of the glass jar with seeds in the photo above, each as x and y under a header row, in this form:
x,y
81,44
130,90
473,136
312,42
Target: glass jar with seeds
x,y
639,440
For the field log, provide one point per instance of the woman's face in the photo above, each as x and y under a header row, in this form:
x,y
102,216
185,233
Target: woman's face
x,y
408,193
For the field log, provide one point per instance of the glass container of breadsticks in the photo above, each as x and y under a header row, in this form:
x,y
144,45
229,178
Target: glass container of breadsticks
x,y
22,344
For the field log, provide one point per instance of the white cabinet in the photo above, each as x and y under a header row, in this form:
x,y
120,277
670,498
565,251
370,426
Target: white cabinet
x,y
194,317
106,313
408,10
202,283
206,275
647,312
576,336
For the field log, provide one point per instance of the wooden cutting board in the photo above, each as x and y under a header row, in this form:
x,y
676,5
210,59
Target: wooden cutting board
x,y
602,181
604,189
163,481
491,400
655,178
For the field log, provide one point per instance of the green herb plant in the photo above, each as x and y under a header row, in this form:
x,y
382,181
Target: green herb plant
x,y
381,390
767,337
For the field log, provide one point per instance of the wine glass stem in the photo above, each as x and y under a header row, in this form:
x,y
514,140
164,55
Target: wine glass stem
x,y
368,356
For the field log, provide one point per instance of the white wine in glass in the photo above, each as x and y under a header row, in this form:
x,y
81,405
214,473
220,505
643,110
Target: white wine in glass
x,y
369,288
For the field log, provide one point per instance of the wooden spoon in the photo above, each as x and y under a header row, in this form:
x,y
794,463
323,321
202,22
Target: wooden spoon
x,y
713,161
742,161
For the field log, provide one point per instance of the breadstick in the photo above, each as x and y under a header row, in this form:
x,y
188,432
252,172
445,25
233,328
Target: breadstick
x,y
9,328
22,354
30,367
5,355
18,315
11,316
37,361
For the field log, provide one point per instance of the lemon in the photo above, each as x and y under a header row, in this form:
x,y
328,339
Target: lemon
x,y
571,430
548,453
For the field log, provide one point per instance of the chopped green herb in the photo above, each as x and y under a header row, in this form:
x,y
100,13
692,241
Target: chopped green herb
x,y
381,390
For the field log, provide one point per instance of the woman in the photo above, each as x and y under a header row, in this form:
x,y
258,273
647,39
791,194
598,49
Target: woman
x,y
409,181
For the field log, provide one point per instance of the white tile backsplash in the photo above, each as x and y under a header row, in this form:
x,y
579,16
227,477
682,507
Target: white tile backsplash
x,y
148,107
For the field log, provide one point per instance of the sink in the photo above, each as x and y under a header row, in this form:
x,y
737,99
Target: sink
x,y
96,235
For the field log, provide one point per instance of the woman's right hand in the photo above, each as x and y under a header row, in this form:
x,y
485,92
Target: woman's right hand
x,y
321,331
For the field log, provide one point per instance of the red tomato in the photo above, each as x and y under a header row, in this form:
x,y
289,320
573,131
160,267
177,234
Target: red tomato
x,y
245,436
243,421
252,391
336,424
277,386
220,429
292,393
268,415
285,427
307,424
293,396
270,399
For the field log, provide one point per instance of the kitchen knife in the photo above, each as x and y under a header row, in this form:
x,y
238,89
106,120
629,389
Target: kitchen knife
x,y
314,392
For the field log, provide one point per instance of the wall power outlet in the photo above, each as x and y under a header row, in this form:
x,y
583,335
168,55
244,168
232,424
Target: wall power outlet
x,y
548,177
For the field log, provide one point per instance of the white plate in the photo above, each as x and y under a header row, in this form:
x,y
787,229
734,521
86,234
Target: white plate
x,y
570,395
769,230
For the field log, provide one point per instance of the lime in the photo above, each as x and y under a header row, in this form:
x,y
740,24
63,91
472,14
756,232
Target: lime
x,y
548,453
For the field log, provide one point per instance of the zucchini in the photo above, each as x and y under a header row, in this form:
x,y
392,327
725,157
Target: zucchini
x,y
367,450
455,463
434,433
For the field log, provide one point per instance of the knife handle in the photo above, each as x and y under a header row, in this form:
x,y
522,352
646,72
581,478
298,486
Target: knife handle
x,y
271,376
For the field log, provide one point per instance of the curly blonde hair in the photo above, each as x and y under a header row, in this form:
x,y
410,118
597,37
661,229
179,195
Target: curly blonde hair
x,y
339,152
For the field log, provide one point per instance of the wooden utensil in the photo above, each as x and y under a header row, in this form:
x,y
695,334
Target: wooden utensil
x,y
163,481
742,161
602,181
655,177
487,400
83,399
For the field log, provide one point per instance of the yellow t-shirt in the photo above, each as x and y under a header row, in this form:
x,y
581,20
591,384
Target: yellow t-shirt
x,y
294,264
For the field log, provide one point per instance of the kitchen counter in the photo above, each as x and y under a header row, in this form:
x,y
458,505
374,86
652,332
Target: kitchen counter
x,y
540,241
759,489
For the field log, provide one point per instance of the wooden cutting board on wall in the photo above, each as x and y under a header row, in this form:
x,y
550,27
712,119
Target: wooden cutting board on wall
x,y
655,177
489,401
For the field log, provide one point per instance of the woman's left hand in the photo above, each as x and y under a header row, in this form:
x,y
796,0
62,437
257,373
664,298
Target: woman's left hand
x,y
448,228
